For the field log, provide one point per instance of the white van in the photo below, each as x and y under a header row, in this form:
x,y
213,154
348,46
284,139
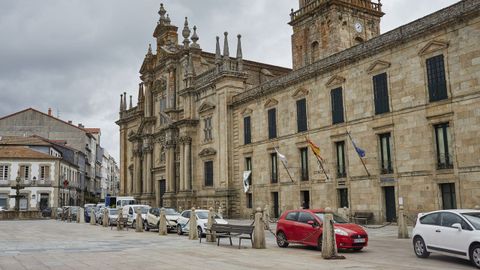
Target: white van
x,y
124,200
129,213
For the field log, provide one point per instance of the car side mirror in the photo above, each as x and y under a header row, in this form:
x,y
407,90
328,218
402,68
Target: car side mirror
x,y
458,226
311,222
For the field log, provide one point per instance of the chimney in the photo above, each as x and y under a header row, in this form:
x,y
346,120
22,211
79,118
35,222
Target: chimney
x,y
70,122
50,111
80,125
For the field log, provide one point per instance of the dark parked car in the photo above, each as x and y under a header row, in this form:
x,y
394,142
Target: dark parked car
x,y
46,212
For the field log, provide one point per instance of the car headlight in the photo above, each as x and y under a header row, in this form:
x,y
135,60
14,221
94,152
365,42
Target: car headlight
x,y
341,232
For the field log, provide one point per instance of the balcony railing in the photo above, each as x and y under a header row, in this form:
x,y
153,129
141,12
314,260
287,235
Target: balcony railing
x,y
367,4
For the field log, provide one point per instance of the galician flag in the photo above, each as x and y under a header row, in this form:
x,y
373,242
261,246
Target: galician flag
x,y
282,158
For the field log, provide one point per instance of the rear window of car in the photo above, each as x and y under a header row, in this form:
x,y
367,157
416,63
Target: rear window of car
x,y
431,219
292,216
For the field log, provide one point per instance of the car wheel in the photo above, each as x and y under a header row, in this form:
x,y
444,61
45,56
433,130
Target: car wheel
x,y
179,229
319,243
134,224
199,231
282,240
145,226
420,248
475,255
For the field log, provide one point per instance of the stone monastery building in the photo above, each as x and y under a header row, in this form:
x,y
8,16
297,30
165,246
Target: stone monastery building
x,y
408,99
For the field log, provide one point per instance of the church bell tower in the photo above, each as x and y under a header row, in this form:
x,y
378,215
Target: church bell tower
x,y
324,27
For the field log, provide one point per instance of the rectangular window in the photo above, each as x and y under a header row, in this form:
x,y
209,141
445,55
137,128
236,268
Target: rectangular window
x,y
274,168
44,172
207,130
437,85
301,115
337,106
304,163
385,154
249,200
3,200
340,148
248,167
209,173
448,196
4,172
343,197
380,90
272,123
163,107
25,172
247,130
443,141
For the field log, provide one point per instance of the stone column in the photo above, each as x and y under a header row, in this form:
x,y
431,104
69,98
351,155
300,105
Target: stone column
x,y
193,233
211,220
188,165
171,89
144,173
162,226
138,171
81,213
182,166
157,193
402,224
129,187
329,244
259,241
148,170
138,221
170,167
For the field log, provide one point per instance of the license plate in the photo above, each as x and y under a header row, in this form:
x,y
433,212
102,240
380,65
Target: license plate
x,y
359,240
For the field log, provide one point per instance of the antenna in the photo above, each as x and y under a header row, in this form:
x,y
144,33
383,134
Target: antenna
x,y
58,113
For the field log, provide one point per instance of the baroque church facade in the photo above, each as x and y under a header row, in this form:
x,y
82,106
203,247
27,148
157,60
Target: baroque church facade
x,y
396,117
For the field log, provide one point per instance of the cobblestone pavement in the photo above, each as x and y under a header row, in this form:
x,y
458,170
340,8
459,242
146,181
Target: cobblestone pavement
x,y
50,244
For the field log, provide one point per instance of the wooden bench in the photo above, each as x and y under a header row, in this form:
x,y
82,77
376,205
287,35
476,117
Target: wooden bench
x,y
122,221
362,216
229,231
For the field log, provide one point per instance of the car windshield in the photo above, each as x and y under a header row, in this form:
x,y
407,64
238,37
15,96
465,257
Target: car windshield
x,y
474,218
170,211
336,218
113,211
204,215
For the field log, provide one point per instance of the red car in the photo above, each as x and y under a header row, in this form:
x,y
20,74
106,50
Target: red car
x,y
304,227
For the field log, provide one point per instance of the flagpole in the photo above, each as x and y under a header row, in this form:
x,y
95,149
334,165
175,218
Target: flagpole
x,y
285,166
321,166
363,162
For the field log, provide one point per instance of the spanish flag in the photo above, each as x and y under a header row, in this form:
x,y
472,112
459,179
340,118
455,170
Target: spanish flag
x,y
315,148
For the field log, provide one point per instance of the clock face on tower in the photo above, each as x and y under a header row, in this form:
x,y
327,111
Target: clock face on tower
x,y
358,27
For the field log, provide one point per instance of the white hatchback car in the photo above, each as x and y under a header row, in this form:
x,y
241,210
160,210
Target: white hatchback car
x,y
449,232
183,224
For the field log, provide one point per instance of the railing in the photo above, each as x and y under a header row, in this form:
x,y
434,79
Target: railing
x,y
315,4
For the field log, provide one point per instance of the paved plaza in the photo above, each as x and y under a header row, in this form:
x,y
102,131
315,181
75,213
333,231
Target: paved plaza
x,y
50,244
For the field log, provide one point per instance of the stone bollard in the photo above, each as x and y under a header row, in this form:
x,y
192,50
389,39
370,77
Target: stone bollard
x,y
266,217
193,233
329,244
92,217
162,224
78,215
220,211
402,224
119,218
138,221
180,209
69,214
105,217
259,230
54,213
81,214
211,220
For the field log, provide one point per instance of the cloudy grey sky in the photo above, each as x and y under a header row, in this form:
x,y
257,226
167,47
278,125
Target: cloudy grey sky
x,y
77,56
